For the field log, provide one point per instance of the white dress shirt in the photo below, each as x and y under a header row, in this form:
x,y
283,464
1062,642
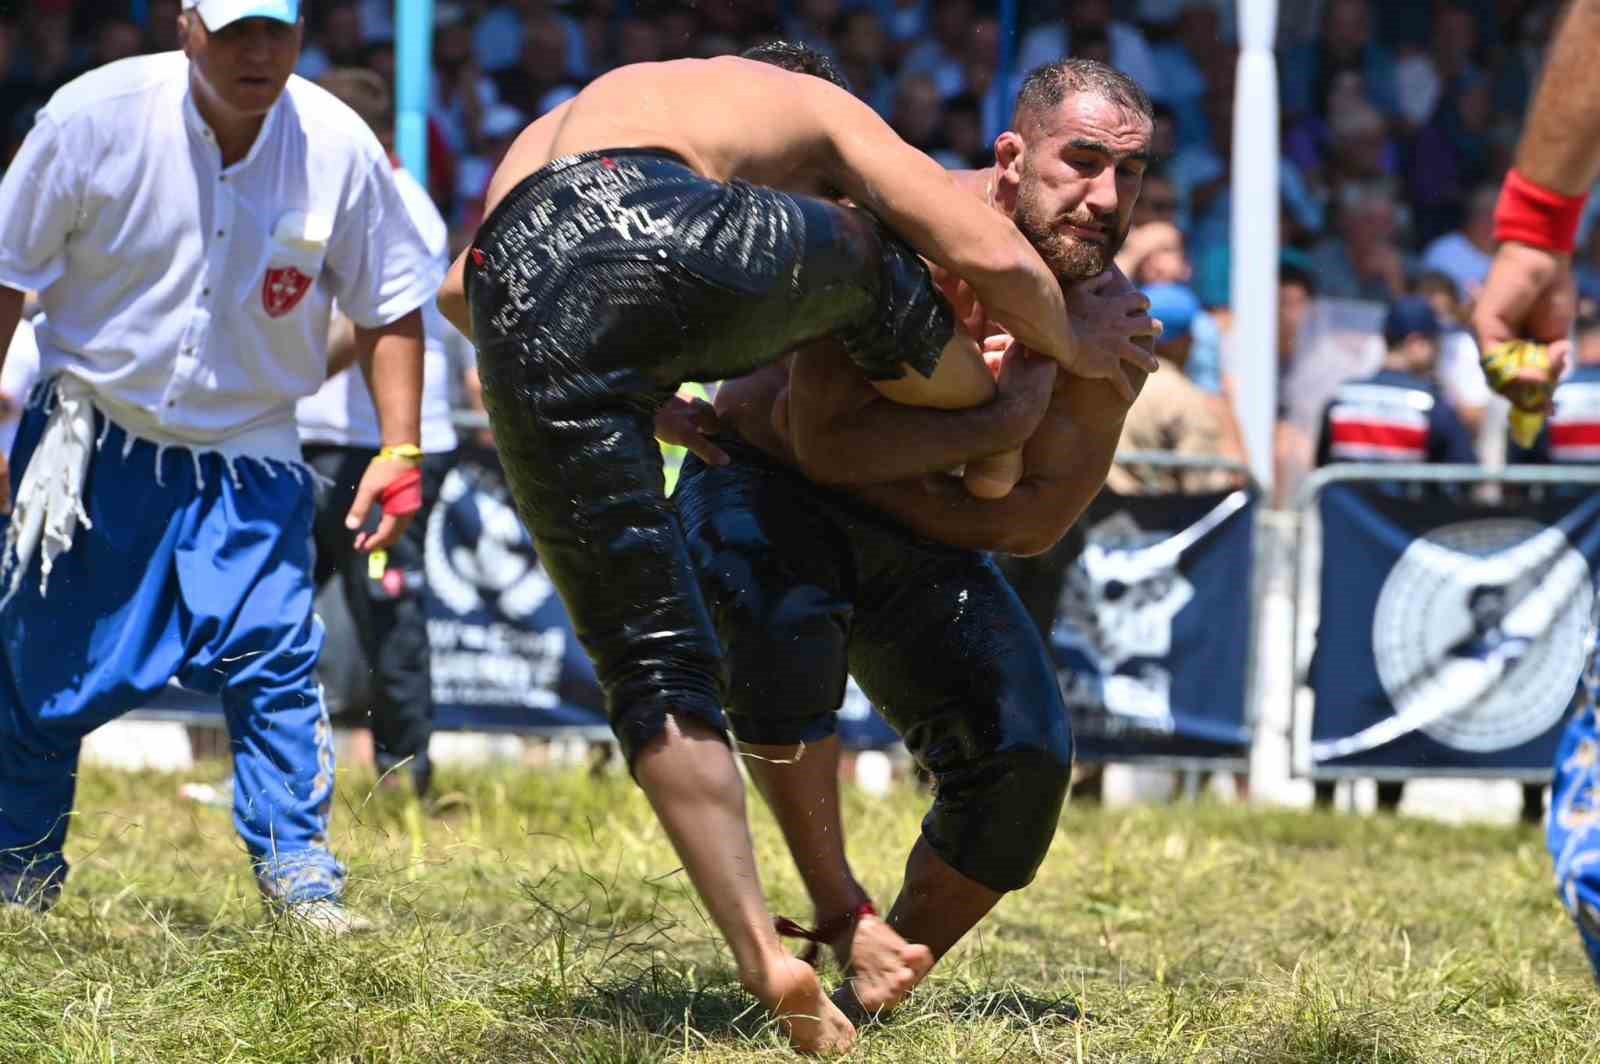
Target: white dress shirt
x,y
192,299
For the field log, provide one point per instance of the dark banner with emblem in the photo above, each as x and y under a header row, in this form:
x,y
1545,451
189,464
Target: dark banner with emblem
x,y
505,656
1151,633
1450,637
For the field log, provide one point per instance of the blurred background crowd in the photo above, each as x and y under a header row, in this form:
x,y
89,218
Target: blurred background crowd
x,y
1398,120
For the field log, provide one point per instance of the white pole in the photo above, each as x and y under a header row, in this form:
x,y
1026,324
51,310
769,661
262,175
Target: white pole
x,y
1254,295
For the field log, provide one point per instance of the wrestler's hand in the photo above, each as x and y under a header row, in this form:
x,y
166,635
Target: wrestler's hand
x,y
1085,349
963,300
1113,325
383,475
1529,295
689,423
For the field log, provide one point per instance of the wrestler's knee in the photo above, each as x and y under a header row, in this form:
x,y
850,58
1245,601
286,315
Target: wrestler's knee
x,y
786,677
995,817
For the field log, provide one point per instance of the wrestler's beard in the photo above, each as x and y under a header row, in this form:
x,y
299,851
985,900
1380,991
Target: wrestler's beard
x,y
1069,258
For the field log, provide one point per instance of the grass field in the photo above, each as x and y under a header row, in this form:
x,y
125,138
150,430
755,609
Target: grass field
x,y
544,919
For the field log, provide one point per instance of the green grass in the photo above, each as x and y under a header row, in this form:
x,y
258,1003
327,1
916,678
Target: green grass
x,y
544,919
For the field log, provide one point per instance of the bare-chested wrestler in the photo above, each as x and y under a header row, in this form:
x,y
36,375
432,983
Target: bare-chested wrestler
x,y
662,227
828,543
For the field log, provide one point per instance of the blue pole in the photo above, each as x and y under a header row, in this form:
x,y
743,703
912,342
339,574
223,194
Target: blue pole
x,y
1006,76
413,61
140,12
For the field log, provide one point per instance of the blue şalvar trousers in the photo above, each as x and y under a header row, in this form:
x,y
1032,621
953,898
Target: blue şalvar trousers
x,y
194,568
1574,830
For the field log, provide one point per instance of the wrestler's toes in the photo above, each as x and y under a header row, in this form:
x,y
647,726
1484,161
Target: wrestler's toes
x,y
884,969
793,994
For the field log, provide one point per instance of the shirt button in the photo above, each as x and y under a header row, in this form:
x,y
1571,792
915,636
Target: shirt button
x,y
205,291
219,232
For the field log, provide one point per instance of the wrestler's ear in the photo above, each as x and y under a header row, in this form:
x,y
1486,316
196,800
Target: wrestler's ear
x,y
1009,150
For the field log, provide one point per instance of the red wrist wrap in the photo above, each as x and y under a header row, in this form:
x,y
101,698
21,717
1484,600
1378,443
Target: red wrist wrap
x,y
1531,214
403,495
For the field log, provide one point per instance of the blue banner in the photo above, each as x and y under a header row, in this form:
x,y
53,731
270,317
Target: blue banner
x,y
505,656
1152,628
1451,636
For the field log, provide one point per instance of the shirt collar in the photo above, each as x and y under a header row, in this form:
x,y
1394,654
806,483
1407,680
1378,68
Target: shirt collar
x,y
198,127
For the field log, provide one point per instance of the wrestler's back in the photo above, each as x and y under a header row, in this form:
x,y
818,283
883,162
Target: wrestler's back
x,y
726,117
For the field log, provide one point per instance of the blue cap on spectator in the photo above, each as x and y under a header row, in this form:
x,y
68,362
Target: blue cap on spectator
x,y
1174,306
1409,316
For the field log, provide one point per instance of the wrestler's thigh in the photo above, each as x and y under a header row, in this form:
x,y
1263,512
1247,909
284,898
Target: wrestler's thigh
x,y
948,654
774,571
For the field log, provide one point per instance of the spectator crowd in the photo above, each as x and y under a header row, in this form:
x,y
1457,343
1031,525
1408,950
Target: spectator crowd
x,y
1397,120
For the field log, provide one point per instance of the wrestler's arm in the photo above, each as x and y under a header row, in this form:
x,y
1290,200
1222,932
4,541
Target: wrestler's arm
x,y
452,296
917,198
1530,293
1066,463
1560,146
843,431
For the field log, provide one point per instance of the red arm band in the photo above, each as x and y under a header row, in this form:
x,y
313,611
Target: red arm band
x,y
403,495
1531,214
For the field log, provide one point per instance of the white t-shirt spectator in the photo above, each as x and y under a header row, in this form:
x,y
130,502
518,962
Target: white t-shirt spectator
x,y
1462,382
342,411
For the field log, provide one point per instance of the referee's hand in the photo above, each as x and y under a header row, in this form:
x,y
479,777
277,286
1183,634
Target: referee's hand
x,y
377,488
5,485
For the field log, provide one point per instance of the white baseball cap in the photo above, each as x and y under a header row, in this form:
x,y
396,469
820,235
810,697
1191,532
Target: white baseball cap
x,y
219,13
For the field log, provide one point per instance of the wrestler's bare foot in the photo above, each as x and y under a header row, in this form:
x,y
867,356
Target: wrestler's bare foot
x,y
792,993
881,968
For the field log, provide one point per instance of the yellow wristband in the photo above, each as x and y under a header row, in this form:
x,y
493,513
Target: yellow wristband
x,y
409,453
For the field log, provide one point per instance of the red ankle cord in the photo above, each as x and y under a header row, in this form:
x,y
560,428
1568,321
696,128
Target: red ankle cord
x,y
825,932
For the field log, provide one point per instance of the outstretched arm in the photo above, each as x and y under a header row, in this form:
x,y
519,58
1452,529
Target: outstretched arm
x,y
1529,294
1560,146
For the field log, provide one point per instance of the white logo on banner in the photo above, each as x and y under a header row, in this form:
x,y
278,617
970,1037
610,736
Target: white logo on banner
x,y
1118,604
1479,635
497,566
479,558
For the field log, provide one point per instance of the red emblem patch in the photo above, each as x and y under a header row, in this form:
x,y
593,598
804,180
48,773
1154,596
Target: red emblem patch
x,y
282,290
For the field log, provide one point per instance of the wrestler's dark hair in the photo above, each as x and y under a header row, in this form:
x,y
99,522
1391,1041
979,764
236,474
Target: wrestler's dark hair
x,y
1045,87
797,59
